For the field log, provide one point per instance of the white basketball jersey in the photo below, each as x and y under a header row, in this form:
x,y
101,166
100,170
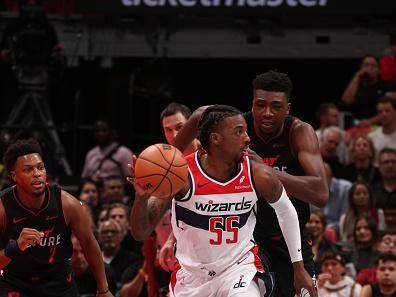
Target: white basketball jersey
x,y
214,222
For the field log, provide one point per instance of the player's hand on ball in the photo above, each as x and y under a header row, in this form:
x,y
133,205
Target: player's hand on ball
x,y
29,237
131,178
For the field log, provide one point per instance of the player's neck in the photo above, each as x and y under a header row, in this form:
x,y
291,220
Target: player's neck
x,y
218,168
30,200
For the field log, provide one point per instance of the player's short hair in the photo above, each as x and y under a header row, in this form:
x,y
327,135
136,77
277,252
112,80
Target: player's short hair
x,y
173,108
20,148
273,81
210,120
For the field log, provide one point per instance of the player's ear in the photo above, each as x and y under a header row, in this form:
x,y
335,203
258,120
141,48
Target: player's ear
x,y
214,137
13,176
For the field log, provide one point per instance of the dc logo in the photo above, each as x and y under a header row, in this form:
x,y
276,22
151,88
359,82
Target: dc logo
x,y
240,284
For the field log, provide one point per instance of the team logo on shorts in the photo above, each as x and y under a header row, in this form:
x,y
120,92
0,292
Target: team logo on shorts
x,y
240,283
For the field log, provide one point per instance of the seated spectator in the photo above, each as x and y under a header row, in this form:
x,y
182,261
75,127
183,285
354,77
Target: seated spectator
x,y
385,136
113,191
361,167
83,276
320,244
360,204
108,158
120,213
364,240
385,244
328,144
390,215
385,190
365,89
103,216
338,199
386,275
332,282
388,62
88,192
147,278
113,254
328,115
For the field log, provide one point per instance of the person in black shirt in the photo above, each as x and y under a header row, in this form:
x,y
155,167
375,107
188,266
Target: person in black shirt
x,y
290,146
38,220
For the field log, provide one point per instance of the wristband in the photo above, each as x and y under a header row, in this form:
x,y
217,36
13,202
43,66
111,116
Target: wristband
x,y
12,249
103,292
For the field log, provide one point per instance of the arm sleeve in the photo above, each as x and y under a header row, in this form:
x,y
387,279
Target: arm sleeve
x,y
288,221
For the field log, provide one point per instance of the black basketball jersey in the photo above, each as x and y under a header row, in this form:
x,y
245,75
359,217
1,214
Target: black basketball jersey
x,y
276,154
46,260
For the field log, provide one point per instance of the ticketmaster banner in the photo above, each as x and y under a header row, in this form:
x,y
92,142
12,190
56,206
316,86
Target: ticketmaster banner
x,y
295,7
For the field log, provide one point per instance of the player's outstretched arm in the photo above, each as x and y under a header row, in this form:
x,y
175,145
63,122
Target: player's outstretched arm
x,y
190,129
76,218
270,188
312,187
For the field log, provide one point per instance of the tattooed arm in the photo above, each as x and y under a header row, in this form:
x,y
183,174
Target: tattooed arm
x,y
146,213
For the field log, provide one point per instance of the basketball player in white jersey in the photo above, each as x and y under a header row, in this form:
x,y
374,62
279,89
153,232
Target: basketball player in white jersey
x,y
213,217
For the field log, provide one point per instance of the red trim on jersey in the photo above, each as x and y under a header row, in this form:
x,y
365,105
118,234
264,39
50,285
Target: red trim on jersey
x,y
30,210
257,260
206,185
173,279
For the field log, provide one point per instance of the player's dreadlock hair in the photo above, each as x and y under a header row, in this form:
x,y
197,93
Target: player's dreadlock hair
x,y
211,119
20,148
273,81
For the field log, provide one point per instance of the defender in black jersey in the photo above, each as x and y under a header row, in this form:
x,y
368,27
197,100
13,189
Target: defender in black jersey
x,y
35,229
290,146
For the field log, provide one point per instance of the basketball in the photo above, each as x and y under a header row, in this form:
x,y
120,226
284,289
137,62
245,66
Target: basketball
x,y
161,170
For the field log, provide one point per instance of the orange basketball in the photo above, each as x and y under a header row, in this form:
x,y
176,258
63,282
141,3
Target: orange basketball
x,y
161,170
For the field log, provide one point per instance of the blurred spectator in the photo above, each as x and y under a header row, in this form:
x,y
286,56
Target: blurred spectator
x,y
365,236
386,275
390,215
388,62
113,254
317,226
386,189
328,115
385,244
103,216
360,204
365,89
173,117
83,276
113,191
328,144
108,158
361,167
338,198
120,213
88,192
147,278
386,135
332,282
